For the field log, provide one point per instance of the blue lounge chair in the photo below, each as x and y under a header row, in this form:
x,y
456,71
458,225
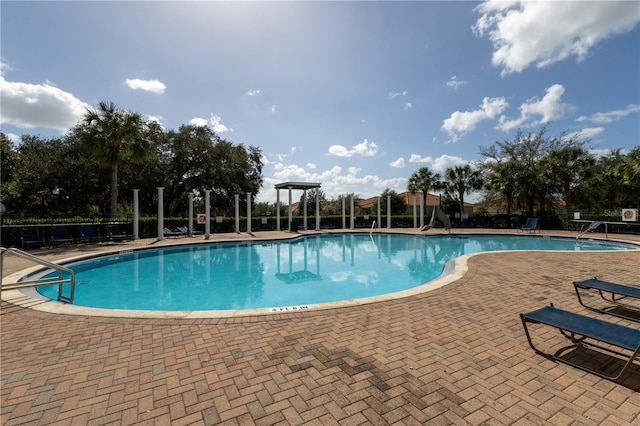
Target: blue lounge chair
x,y
613,294
167,232
30,238
586,332
87,235
60,235
185,231
530,226
115,234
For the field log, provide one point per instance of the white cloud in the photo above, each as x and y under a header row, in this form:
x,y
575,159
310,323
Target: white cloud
x,y
416,158
461,123
312,166
200,122
408,105
455,83
4,67
215,123
335,182
545,32
153,86
273,109
218,126
610,116
365,148
156,119
252,92
586,133
443,162
13,137
393,95
538,111
28,105
398,164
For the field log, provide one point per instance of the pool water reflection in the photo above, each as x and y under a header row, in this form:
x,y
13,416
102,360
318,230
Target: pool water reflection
x,y
309,270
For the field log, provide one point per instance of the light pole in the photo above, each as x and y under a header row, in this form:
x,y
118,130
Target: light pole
x,y
65,197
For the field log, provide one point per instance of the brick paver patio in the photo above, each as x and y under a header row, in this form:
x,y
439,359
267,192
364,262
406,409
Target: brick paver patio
x,y
455,355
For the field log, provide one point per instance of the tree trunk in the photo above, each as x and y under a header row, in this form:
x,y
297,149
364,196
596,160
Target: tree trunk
x,y
567,195
114,189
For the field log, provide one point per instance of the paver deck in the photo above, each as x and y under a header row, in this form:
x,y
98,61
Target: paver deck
x,y
455,355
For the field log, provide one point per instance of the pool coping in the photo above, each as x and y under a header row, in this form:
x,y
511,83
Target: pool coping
x,y
454,270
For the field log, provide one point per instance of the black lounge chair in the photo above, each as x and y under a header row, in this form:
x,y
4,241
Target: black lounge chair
x,y
586,332
60,235
30,238
613,294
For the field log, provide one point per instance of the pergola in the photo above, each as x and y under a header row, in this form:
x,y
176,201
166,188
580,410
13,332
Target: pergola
x,y
304,186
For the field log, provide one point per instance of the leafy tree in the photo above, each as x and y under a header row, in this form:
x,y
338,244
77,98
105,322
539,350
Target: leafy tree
x,y
311,200
565,167
528,151
200,161
630,174
424,180
398,206
8,158
112,136
462,179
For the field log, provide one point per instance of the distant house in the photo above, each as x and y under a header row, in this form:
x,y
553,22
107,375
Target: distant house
x,y
370,205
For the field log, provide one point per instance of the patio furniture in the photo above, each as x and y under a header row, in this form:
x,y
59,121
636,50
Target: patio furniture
x,y
530,226
613,294
87,235
115,234
586,332
60,235
167,232
30,238
185,230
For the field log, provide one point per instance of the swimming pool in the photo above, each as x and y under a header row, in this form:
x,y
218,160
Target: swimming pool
x,y
300,273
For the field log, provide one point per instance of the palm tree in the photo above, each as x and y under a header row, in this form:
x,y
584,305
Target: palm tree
x,y
113,135
424,180
503,180
462,179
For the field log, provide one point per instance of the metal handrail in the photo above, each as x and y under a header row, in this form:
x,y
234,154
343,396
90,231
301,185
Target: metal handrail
x,y
60,279
373,225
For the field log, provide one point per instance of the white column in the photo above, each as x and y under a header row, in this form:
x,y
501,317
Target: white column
x,y
389,212
379,212
136,218
415,219
290,210
352,211
344,215
248,212
207,212
318,209
304,203
422,211
190,213
278,209
237,197
160,213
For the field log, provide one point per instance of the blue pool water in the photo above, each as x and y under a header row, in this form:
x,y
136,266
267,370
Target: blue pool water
x,y
308,270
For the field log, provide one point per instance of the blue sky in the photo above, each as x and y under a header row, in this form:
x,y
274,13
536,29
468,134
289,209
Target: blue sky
x,y
354,95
